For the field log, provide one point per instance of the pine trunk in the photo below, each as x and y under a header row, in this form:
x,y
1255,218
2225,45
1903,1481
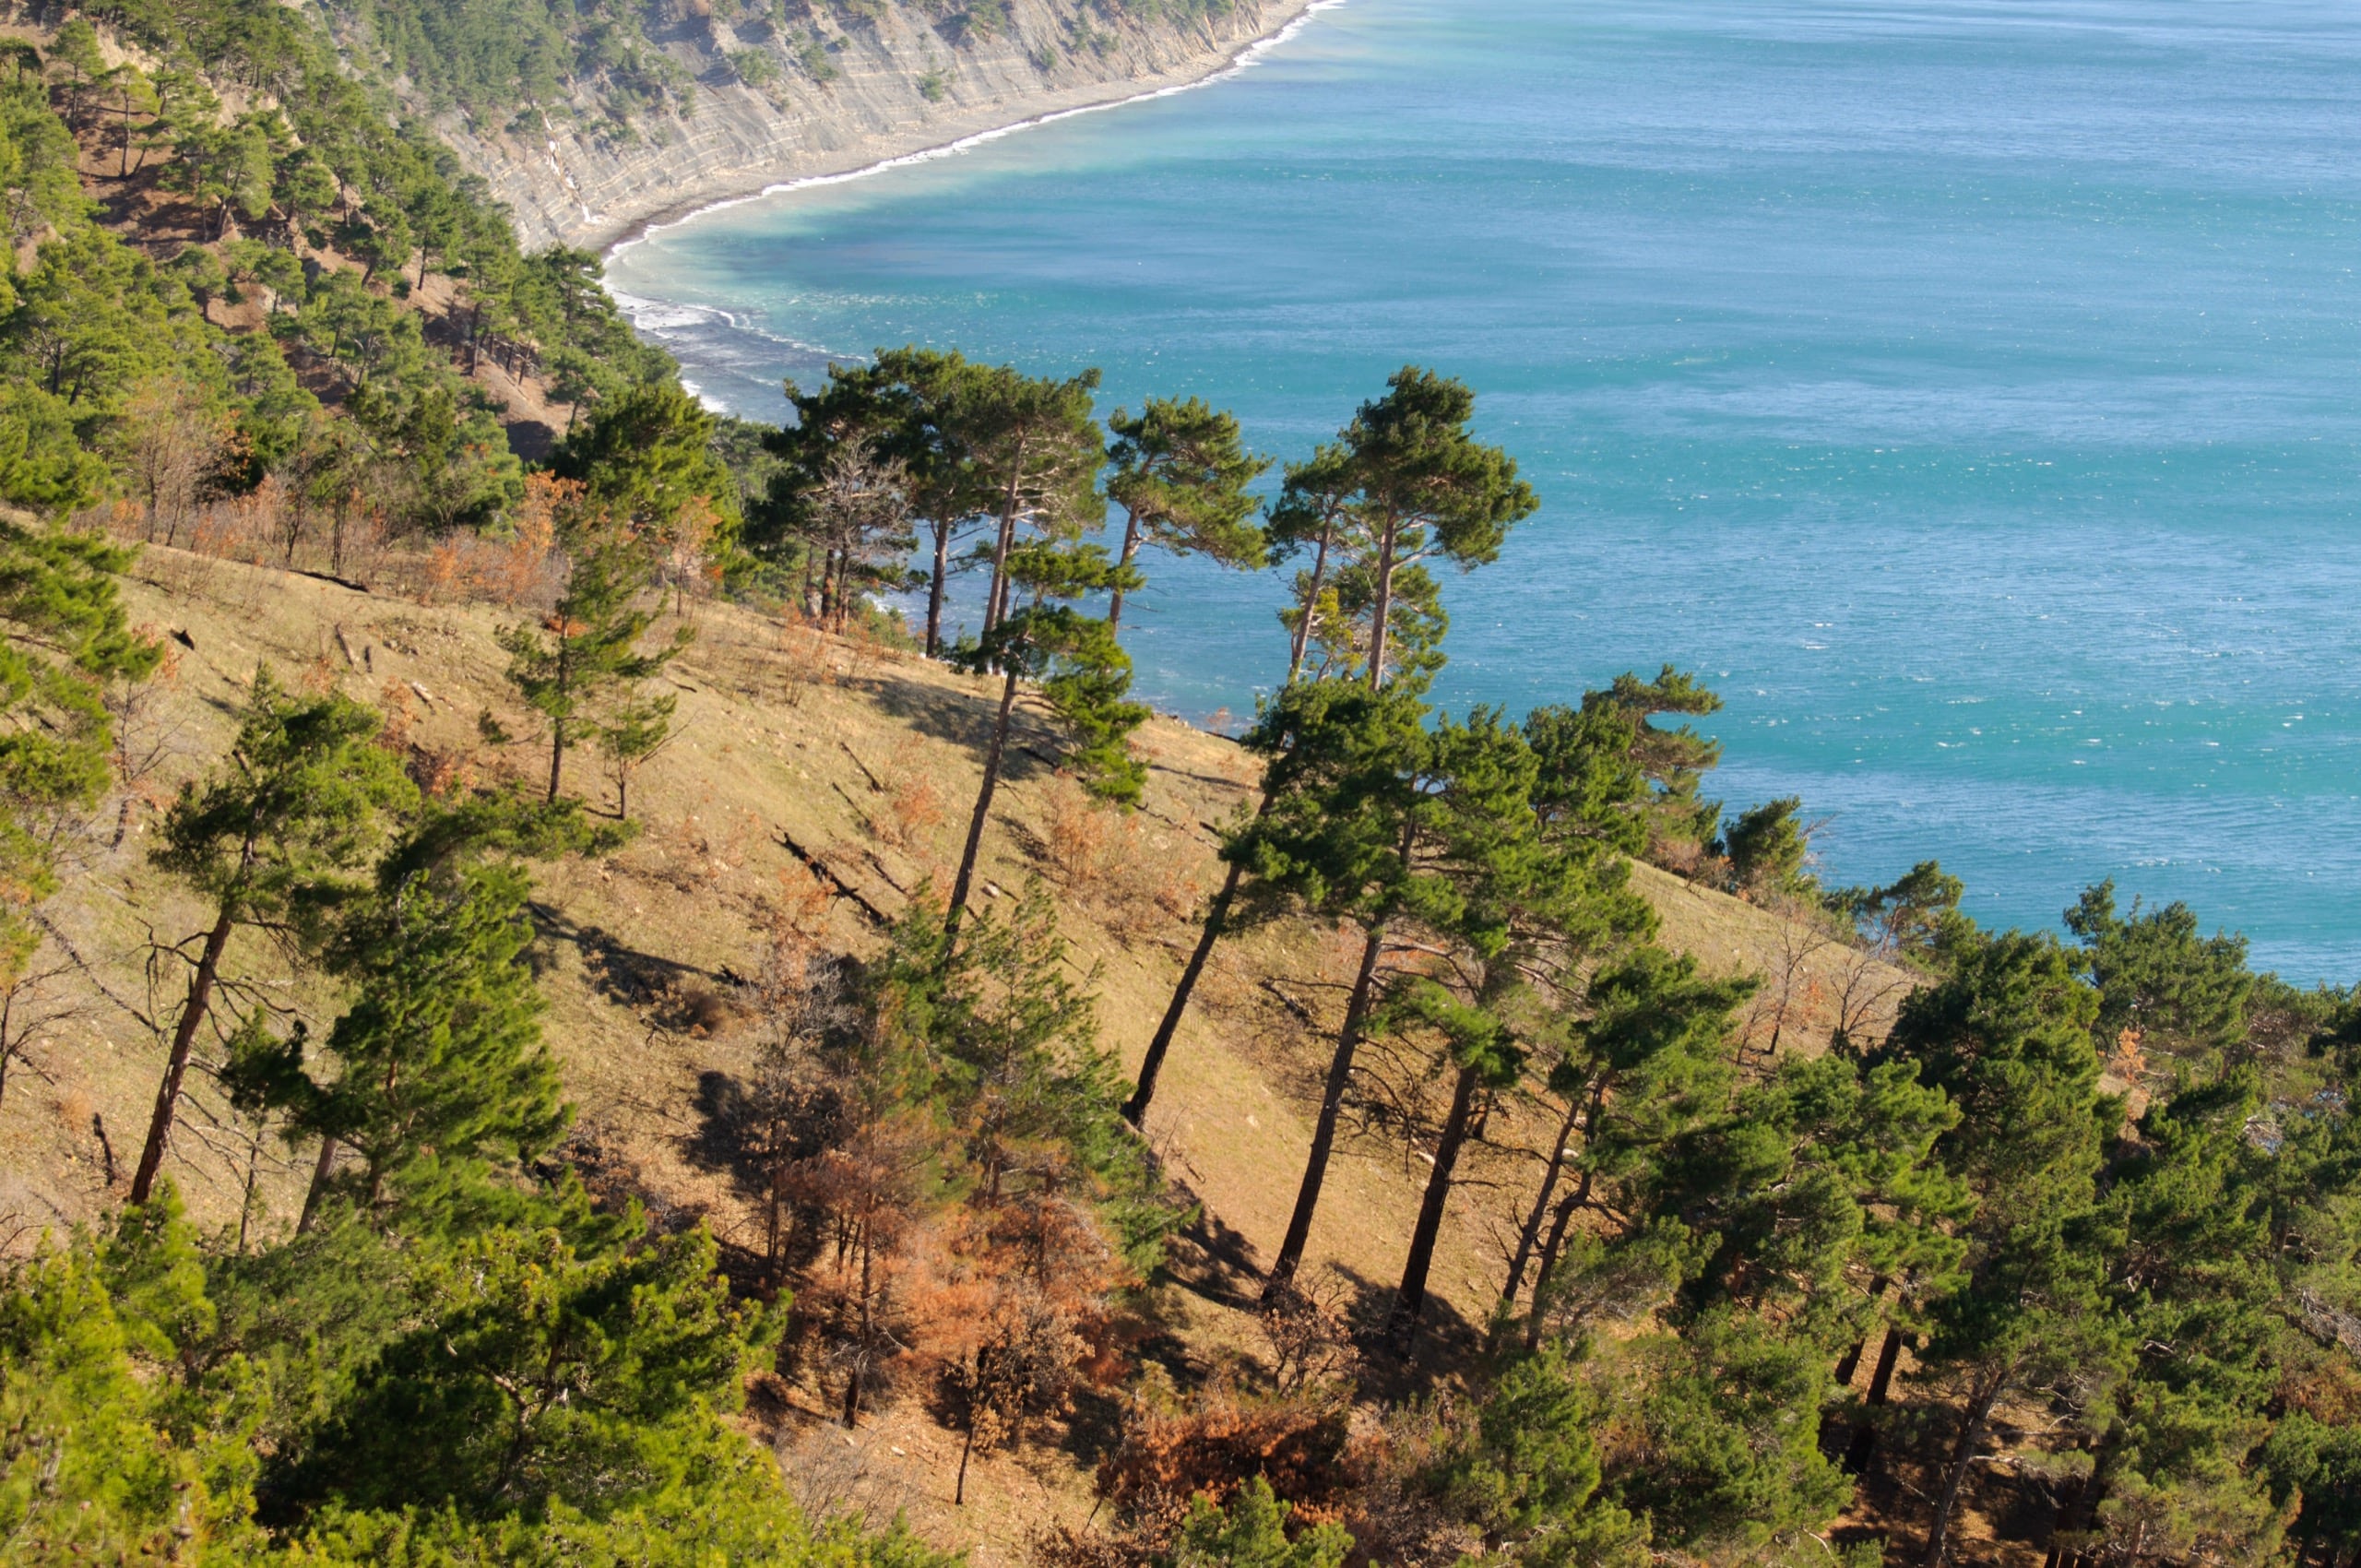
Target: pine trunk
x,y
1549,1266
934,591
1865,1442
1529,1234
168,1093
1971,1435
1382,610
983,804
1135,1110
1131,548
2075,1515
1301,641
996,597
1324,1132
1411,1302
321,1168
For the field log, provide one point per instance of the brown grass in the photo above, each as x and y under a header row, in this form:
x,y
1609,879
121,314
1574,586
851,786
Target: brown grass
x,y
780,728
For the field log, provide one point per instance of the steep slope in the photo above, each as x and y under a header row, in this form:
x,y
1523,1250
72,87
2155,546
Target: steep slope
x,y
836,87
796,753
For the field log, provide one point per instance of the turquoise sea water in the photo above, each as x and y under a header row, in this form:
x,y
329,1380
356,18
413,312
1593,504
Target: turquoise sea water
x,y
1967,390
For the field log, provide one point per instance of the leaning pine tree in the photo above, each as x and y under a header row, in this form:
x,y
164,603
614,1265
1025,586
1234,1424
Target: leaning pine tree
x,y
1522,909
1084,677
1405,482
270,840
1181,477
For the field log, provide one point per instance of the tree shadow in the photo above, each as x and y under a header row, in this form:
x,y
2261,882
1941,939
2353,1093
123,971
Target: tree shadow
x,y
1214,1260
726,1128
965,720
620,972
1446,1344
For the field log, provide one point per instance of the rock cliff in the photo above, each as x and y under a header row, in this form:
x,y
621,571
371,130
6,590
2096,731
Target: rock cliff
x,y
840,90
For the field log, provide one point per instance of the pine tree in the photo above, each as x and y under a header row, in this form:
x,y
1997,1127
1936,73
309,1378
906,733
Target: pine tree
x,y
1337,833
2007,1036
2180,996
1424,487
646,459
69,638
590,647
1181,474
2171,1441
1084,676
1029,451
440,1070
1316,510
546,1371
108,1457
1406,481
897,412
270,840
630,734
1522,909
1673,761
1524,1471
1647,1058
1726,1456
1252,1533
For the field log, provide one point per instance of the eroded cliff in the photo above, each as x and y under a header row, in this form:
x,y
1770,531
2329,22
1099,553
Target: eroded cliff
x,y
840,90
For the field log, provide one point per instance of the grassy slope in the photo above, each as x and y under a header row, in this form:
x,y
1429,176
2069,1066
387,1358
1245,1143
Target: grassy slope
x,y
789,736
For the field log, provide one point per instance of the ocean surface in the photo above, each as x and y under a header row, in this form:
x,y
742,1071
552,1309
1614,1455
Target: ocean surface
x,y
1968,391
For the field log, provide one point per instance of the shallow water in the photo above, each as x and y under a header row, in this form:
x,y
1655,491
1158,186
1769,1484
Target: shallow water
x,y
1967,390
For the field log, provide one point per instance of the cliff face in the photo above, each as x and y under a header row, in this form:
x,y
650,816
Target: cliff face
x,y
899,82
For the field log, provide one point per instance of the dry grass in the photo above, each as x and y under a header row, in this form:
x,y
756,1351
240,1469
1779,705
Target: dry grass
x,y
865,759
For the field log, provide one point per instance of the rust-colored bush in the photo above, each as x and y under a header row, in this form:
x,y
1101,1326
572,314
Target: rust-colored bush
x,y
1301,1445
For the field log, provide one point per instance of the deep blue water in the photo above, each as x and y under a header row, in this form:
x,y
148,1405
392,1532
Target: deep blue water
x,y
1967,390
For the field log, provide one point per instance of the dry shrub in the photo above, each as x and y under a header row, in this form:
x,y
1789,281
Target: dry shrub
x,y
701,1011
445,578
440,772
359,543
800,908
1682,857
1310,1335
1301,1445
1081,833
524,568
687,566
521,571
802,661
254,524
1149,888
914,804
399,707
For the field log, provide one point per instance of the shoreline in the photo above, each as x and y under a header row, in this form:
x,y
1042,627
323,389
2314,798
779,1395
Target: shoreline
x,y
881,154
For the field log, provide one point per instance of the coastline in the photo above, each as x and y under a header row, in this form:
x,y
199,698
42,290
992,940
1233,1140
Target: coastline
x,y
1283,20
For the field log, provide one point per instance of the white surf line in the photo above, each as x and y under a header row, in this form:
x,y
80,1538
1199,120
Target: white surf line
x,y
1248,58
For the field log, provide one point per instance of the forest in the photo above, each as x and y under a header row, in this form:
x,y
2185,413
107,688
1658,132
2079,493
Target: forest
x,y
2052,1248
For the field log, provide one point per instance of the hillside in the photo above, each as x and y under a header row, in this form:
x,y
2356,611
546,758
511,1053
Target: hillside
x,y
784,739
795,750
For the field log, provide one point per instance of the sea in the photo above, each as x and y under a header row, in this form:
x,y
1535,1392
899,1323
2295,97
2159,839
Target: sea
x,y
1968,390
